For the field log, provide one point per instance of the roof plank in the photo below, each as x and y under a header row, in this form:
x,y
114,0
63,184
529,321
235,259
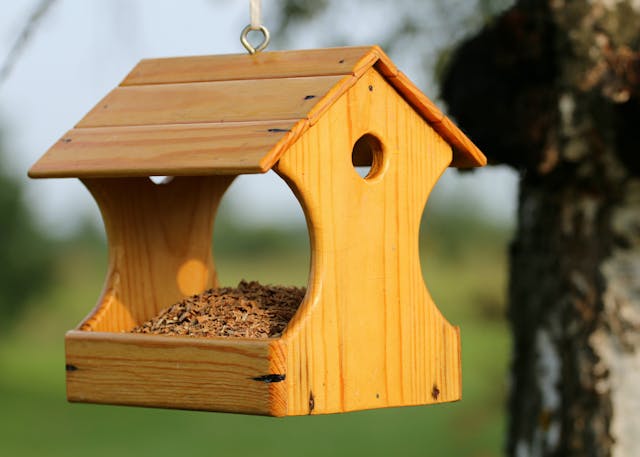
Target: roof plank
x,y
223,101
262,65
207,115
169,150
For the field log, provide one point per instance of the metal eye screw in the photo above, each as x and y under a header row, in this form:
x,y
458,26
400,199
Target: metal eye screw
x,y
248,46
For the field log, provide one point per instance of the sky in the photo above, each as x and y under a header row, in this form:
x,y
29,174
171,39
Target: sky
x,y
83,49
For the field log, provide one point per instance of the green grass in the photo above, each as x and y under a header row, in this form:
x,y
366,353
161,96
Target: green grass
x,y
35,418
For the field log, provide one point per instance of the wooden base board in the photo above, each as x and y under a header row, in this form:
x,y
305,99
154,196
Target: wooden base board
x,y
208,374
217,374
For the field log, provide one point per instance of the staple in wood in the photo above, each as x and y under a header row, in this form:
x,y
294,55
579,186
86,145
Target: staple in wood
x,y
251,310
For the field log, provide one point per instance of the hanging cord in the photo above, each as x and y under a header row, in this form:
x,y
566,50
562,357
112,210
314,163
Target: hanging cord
x,y
255,11
255,7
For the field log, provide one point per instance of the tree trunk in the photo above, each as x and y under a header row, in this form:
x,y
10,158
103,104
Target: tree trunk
x,y
575,317
556,94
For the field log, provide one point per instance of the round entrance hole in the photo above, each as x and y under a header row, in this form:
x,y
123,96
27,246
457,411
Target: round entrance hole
x,y
367,156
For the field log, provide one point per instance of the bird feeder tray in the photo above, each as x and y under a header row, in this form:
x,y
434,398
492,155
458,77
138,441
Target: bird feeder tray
x,y
367,333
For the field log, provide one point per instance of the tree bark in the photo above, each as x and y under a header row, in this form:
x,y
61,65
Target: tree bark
x,y
556,94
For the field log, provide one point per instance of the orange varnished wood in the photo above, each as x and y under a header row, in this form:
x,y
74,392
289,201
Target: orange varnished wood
x,y
214,374
160,252
264,65
383,63
368,334
460,142
159,240
168,150
276,87
329,99
223,101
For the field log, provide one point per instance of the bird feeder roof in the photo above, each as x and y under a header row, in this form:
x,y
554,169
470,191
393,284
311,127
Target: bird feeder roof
x,y
225,114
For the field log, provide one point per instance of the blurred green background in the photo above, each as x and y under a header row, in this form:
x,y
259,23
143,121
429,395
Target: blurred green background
x,y
464,265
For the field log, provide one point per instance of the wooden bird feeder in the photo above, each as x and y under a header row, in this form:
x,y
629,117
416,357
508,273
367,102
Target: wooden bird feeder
x,y
367,334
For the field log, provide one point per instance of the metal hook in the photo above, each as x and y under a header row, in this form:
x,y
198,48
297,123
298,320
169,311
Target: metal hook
x,y
248,46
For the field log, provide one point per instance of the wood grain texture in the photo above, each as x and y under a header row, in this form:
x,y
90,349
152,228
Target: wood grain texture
x,y
175,114
160,252
263,65
224,101
213,374
159,245
465,153
168,150
368,334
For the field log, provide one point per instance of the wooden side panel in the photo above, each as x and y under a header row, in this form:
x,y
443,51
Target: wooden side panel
x,y
159,245
175,372
225,101
168,150
369,334
264,65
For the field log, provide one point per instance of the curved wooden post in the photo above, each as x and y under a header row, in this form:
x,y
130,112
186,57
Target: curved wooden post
x,y
159,245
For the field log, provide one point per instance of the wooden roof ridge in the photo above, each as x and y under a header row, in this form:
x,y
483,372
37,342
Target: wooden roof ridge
x,y
193,69
198,69
465,153
225,114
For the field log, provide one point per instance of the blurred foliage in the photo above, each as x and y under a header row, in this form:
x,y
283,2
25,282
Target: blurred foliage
x,y
27,256
295,11
414,25
232,239
464,260
452,230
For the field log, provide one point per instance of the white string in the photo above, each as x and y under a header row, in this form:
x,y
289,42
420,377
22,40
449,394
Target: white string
x,y
255,7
